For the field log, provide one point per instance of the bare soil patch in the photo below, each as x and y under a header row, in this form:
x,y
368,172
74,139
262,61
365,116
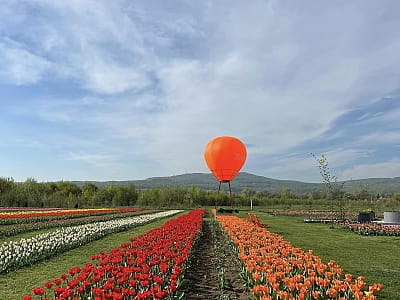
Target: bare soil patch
x,y
214,272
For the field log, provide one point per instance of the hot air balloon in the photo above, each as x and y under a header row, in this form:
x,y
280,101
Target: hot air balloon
x,y
225,156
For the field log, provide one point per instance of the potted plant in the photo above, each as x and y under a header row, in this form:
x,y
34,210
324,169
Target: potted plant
x,y
365,216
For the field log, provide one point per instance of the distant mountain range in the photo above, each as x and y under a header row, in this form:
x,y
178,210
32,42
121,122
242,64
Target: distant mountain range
x,y
258,183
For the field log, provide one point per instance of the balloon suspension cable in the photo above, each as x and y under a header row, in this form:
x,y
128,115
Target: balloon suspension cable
x,y
230,192
219,188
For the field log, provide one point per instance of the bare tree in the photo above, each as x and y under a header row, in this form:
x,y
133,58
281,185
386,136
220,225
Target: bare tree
x,y
335,188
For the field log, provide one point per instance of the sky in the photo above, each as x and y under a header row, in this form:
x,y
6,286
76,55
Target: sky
x,y
127,90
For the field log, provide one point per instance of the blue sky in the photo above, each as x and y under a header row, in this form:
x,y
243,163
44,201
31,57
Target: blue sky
x,y
119,90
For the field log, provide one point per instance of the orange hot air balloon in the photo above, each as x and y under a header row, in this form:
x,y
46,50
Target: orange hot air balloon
x,y
225,156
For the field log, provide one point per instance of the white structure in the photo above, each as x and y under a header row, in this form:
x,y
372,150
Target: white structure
x,y
391,217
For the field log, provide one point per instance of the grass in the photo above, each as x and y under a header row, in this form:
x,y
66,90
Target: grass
x,y
20,282
374,257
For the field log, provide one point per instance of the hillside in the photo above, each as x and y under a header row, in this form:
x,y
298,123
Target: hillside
x,y
258,183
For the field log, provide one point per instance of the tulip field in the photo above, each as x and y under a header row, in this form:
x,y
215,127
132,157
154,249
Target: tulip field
x,y
162,255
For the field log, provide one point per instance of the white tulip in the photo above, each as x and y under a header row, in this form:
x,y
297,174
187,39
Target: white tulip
x,y
15,254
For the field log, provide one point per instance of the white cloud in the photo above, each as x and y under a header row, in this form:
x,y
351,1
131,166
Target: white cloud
x,y
388,137
82,43
228,98
96,159
272,99
19,66
340,157
383,118
304,167
113,79
163,79
377,170
294,168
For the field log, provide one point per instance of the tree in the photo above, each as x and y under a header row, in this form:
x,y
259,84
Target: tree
x,y
335,188
103,197
286,194
32,193
264,194
65,188
131,195
362,194
249,194
315,195
88,192
6,184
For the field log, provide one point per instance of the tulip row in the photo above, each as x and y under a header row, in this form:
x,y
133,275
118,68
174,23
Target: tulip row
x,y
372,228
17,208
314,215
277,270
303,213
15,254
14,229
27,216
150,266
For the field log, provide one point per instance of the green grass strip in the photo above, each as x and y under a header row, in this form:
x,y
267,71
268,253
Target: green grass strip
x,y
20,282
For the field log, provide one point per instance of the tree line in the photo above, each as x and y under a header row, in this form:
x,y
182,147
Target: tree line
x,y
31,193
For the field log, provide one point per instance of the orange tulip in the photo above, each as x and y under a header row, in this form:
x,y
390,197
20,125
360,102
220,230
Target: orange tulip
x,y
289,272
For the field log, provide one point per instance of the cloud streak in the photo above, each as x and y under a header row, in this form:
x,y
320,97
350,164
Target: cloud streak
x,y
384,169
20,66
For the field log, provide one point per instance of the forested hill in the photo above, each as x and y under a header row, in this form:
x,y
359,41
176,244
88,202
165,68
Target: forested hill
x,y
258,183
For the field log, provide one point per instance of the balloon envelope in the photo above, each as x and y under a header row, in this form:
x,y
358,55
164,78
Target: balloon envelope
x,y
225,156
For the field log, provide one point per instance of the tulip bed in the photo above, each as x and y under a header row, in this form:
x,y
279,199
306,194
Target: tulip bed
x,y
30,215
274,269
315,215
150,266
14,229
322,214
373,229
16,254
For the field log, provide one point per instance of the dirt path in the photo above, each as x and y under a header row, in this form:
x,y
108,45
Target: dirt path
x,y
214,273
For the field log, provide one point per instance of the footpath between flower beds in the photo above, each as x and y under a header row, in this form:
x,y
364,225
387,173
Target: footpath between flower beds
x,y
214,271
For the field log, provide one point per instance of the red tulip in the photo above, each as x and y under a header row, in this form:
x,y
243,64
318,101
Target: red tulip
x,y
154,260
38,291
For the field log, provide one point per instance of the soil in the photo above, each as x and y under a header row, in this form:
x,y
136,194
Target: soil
x,y
214,272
